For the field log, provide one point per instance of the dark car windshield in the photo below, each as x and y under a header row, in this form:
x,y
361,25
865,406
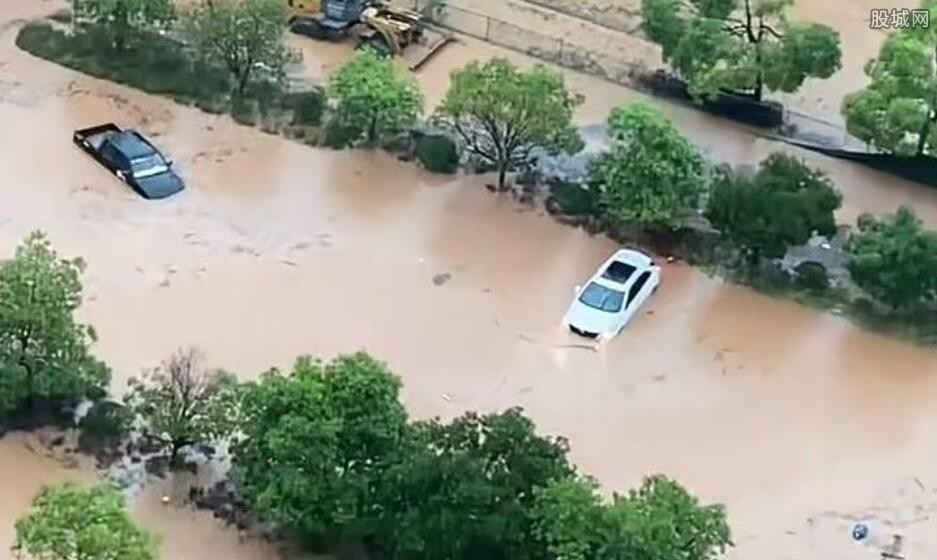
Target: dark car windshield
x,y
147,166
599,297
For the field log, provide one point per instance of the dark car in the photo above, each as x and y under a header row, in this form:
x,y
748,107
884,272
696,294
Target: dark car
x,y
132,158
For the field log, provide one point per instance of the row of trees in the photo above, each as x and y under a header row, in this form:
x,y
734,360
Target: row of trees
x,y
329,453
245,37
654,178
750,46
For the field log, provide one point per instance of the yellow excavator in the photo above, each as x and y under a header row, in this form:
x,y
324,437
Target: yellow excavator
x,y
387,29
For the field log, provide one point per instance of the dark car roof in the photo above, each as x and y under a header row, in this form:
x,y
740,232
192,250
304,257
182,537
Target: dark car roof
x,y
131,144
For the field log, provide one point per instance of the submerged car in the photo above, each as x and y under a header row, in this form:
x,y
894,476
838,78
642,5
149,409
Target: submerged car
x,y
132,158
613,295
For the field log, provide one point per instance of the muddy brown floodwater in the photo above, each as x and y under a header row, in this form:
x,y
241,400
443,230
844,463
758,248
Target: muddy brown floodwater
x,y
798,421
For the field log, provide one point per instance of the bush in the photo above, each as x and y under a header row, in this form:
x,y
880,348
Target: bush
x,y
106,425
338,136
437,153
574,200
811,276
308,107
153,63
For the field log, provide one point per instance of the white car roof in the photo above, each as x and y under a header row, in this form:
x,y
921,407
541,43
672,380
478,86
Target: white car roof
x,y
635,259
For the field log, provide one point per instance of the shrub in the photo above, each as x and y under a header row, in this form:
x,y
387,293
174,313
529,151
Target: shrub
x,y
574,200
338,136
812,277
106,424
437,153
308,107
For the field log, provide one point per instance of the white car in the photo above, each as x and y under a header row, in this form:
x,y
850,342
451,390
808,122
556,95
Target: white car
x,y
613,295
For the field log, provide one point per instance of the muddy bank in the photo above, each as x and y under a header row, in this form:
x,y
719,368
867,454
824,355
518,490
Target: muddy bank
x,y
784,414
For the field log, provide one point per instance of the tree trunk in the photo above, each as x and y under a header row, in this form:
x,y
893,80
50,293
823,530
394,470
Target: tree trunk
x,y
759,85
925,132
502,176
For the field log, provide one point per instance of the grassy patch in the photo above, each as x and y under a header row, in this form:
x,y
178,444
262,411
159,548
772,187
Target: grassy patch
x,y
157,64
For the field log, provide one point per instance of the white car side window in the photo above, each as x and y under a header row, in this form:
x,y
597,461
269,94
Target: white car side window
x,y
636,288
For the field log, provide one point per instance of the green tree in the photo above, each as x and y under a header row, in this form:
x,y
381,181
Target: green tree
x,y
243,36
894,259
781,206
896,112
502,114
570,519
464,490
181,404
316,441
71,523
660,520
651,176
124,17
44,353
746,45
372,99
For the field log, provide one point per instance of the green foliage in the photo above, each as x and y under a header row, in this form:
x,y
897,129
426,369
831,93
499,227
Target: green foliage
x,y
897,110
71,523
123,17
744,45
372,100
464,489
574,200
894,259
243,36
156,64
437,153
812,276
570,519
781,206
308,107
662,521
315,442
652,175
105,425
658,521
181,404
502,113
43,351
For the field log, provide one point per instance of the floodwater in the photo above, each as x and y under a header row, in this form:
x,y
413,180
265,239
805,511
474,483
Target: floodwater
x,y
798,421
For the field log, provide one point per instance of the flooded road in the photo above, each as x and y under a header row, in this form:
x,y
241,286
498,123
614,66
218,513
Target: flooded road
x,y
798,421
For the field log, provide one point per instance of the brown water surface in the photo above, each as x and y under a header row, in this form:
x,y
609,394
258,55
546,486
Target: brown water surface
x,y
797,420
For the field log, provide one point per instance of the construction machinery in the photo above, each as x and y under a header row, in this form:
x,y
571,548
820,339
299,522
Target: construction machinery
x,y
375,24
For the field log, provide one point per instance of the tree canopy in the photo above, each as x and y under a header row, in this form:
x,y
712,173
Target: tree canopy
x,y
651,176
44,352
896,112
122,17
464,489
243,36
315,440
781,206
67,522
182,404
372,99
659,520
745,45
502,114
894,259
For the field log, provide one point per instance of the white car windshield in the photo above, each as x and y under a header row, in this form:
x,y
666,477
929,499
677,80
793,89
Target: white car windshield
x,y
148,166
599,297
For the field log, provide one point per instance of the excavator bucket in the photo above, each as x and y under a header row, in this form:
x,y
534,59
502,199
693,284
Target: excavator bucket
x,y
431,41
